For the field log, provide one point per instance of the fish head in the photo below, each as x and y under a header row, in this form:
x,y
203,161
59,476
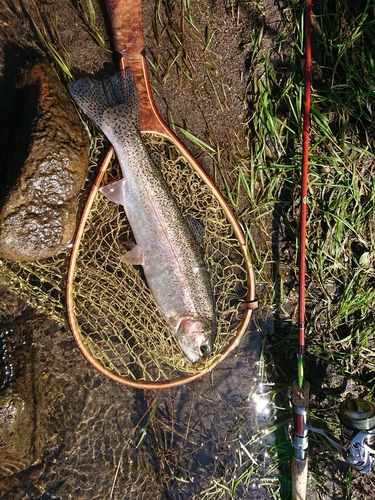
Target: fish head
x,y
195,338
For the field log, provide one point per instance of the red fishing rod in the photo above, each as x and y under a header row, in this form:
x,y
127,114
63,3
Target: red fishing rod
x,y
300,392
303,202
356,415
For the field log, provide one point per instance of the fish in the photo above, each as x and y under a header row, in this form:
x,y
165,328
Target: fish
x,y
165,247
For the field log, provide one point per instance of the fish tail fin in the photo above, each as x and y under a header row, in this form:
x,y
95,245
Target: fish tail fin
x,y
108,101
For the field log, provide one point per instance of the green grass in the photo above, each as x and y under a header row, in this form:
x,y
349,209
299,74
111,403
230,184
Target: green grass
x,y
341,187
46,28
341,204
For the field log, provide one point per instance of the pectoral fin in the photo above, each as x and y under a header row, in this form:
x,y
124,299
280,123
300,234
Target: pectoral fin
x,y
133,257
115,191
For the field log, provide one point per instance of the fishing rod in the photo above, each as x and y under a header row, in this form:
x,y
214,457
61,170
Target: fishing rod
x,y
300,390
357,416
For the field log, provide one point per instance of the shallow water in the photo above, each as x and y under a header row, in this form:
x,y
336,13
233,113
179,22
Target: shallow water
x,y
104,440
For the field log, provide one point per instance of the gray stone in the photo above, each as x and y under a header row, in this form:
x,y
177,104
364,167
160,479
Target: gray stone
x,y
44,171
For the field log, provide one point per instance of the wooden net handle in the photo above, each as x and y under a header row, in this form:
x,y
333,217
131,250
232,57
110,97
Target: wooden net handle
x,y
127,34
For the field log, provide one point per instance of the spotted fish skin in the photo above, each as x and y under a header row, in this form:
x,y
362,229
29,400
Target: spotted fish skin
x,y
171,258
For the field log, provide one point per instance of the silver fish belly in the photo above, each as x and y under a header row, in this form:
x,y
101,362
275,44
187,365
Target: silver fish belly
x,y
171,258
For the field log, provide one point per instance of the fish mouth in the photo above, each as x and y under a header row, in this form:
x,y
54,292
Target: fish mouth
x,y
194,339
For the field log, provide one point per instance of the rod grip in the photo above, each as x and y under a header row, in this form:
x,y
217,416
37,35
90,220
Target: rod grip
x,y
299,479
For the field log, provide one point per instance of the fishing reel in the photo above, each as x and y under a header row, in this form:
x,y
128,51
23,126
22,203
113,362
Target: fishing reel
x,y
357,443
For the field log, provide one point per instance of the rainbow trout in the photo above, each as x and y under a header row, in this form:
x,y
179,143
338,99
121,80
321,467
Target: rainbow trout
x,y
165,246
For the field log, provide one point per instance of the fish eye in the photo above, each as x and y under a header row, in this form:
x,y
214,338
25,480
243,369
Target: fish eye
x,y
205,349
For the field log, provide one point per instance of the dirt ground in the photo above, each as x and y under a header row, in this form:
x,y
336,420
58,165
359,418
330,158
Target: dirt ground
x,y
199,76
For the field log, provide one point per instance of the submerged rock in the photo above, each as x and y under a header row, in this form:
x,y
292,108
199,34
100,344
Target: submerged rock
x,y
22,412
44,171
